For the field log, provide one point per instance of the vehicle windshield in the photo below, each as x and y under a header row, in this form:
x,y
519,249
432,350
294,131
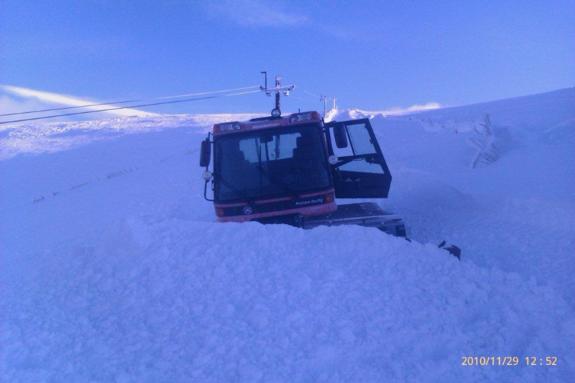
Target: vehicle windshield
x,y
269,163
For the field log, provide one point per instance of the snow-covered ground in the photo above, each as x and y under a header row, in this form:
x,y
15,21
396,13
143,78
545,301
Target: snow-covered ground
x,y
113,269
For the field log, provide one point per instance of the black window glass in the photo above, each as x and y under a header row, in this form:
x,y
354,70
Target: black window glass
x,y
269,163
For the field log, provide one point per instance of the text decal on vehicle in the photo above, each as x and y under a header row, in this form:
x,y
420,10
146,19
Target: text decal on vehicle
x,y
314,201
272,206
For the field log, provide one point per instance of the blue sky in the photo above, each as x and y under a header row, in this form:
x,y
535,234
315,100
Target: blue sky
x,y
370,54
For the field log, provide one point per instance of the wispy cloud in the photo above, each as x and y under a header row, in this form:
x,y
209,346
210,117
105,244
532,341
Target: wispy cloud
x,y
25,98
411,109
279,14
256,13
396,111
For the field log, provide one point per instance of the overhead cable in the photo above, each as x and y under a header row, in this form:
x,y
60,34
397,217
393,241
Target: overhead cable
x,y
253,87
131,106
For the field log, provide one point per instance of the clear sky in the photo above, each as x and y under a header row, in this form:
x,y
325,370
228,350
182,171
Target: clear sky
x,y
370,54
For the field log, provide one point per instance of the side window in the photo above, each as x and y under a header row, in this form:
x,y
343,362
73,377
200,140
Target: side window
x,y
340,152
360,139
361,146
360,170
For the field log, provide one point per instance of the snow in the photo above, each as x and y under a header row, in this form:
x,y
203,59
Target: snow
x,y
33,138
114,270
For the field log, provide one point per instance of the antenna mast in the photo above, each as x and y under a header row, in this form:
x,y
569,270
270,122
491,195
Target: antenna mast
x,y
277,90
324,100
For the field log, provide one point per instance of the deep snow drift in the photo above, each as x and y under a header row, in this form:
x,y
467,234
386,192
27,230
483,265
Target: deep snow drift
x,y
113,268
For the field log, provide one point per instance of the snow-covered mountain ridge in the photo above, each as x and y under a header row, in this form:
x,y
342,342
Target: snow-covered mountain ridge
x,y
114,269
550,108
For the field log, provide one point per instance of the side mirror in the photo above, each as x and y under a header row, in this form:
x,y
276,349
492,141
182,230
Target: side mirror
x,y
340,135
205,153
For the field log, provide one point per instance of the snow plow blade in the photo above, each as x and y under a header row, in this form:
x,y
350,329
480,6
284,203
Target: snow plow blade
x,y
367,214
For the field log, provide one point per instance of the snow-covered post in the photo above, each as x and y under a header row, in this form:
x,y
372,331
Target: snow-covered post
x,y
484,141
332,113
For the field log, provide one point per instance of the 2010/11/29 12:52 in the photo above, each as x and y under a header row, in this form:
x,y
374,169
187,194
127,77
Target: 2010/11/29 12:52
x,y
509,361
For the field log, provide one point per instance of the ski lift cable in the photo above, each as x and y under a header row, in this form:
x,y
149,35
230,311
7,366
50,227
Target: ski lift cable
x,y
133,100
132,106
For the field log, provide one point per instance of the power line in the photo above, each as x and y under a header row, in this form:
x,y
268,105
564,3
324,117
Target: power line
x,y
130,101
131,106
68,107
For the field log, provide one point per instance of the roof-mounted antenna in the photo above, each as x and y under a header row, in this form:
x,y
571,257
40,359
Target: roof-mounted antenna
x,y
278,90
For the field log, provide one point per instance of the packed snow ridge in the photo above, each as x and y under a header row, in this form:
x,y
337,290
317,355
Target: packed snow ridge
x,y
114,269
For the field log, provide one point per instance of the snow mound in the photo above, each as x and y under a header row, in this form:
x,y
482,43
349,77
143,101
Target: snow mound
x,y
154,301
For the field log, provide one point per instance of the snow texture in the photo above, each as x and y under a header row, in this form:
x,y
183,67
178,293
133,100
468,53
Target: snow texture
x,y
114,270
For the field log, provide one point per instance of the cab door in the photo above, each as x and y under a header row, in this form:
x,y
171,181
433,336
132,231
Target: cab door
x,y
357,164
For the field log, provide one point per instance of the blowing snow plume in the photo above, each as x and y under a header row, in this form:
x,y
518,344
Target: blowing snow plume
x,y
15,99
